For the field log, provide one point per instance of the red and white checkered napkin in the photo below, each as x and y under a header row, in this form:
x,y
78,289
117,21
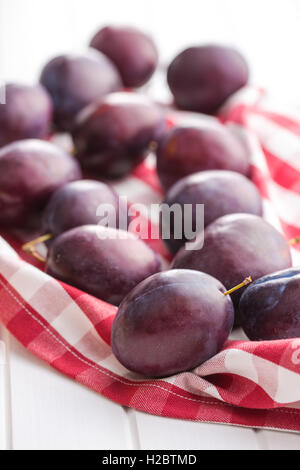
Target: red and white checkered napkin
x,y
253,384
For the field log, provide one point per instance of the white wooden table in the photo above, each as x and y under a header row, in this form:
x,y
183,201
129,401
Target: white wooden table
x,y
40,408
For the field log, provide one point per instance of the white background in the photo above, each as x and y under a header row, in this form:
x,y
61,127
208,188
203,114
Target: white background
x,y
40,408
266,31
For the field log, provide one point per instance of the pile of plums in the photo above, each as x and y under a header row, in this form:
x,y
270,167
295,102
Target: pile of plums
x,y
168,321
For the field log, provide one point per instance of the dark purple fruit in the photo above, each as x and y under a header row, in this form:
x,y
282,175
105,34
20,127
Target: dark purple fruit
x,y
26,114
77,204
270,307
202,78
237,246
30,171
207,146
172,322
133,52
75,81
114,136
222,192
104,262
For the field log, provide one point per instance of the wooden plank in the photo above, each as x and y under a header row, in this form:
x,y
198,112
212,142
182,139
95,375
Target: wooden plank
x,y
2,395
276,440
5,409
50,411
133,431
166,433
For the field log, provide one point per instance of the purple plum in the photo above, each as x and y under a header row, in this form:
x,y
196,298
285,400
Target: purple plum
x,y
75,81
172,322
222,192
77,203
207,146
133,52
102,261
114,136
202,78
30,171
270,307
26,113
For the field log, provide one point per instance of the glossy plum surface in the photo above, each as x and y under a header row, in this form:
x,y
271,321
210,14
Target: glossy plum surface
x,y
112,137
133,52
172,322
76,204
27,113
202,78
190,149
30,171
222,192
75,81
270,307
237,246
104,262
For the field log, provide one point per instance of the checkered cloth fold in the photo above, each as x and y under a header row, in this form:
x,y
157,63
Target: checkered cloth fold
x,y
253,384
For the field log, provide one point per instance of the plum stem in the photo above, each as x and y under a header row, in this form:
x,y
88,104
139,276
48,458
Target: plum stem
x,y
29,247
294,241
153,146
242,284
